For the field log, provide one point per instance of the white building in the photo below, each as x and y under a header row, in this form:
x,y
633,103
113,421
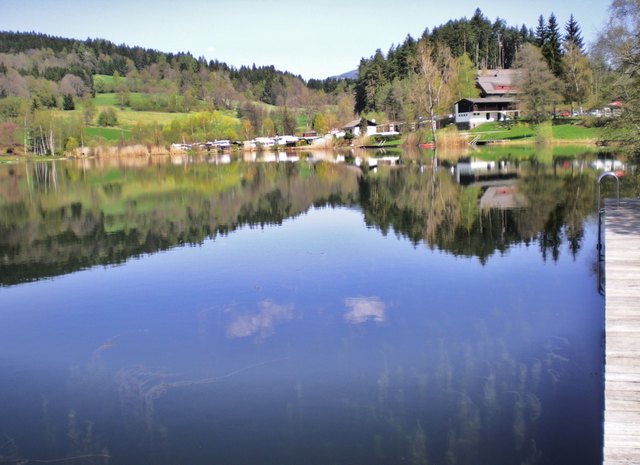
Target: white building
x,y
354,127
472,112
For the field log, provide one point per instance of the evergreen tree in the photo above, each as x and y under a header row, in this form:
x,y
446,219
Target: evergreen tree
x,y
67,102
540,37
370,83
574,33
552,47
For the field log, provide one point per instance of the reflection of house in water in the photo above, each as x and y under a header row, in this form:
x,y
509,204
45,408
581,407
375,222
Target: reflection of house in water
x,y
470,170
498,180
504,196
607,163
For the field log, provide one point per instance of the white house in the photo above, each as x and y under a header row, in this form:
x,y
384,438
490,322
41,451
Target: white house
x,y
354,127
471,112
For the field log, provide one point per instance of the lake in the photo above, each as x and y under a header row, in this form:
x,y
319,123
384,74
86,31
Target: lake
x,y
222,311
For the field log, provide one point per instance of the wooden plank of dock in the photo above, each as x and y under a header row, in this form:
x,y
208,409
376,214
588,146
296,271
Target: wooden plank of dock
x,y
622,333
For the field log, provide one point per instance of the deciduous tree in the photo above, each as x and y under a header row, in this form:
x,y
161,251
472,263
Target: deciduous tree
x,y
538,87
465,78
435,71
619,48
577,75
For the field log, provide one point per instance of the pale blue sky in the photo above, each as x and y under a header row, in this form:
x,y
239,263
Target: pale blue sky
x,y
315,39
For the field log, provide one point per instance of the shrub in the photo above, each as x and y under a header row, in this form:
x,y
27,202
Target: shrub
x,y
544,133
108,117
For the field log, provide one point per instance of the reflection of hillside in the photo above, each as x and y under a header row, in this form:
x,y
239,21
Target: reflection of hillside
x,y
430,206
57,218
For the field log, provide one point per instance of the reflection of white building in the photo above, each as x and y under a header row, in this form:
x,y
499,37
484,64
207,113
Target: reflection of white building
x,y
469,170
607,164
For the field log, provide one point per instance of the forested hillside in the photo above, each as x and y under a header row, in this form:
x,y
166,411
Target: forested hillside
x,y
55,88
387,82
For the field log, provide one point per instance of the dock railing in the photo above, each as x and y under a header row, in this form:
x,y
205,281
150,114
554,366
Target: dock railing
x,y
601,276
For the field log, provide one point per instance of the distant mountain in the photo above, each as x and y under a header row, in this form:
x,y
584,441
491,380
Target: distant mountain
x,y
348,75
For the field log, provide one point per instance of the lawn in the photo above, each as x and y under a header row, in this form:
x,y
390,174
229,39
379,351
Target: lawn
x,y
105,100
501,131
128,118
520,130
109,134
571,132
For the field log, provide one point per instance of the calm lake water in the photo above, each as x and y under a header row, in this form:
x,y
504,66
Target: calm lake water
x,y
296,312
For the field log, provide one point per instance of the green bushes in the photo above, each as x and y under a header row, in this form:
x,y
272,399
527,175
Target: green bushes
x,y
544,133
108,117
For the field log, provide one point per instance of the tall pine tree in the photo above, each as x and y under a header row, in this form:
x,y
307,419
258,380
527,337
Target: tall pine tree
x,y
574,33
552,46
540,36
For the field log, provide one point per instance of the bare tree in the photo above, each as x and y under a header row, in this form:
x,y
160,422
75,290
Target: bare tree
x,y
435,71
577,75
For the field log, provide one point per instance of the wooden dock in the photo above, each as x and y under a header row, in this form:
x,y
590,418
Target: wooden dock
x,y
622,333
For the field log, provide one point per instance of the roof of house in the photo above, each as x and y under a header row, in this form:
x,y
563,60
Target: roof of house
x,y
498,81
490,100
356,123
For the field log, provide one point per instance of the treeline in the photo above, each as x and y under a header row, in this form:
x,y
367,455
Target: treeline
x,y
386,84
100,56
34,65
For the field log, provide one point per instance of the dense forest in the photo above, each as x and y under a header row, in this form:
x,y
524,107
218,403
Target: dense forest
x,y
59,57
386,83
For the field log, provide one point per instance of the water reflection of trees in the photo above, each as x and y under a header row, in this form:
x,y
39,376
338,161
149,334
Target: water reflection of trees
x,y
427,205
57,218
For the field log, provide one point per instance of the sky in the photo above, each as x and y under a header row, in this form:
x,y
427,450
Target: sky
x,y
312,39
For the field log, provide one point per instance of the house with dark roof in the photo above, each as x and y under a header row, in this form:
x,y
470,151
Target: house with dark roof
x,y
472,112
498,90
497,82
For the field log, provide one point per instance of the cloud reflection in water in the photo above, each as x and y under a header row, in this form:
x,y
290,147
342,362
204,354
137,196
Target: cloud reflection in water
x,y
262,322
363,309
